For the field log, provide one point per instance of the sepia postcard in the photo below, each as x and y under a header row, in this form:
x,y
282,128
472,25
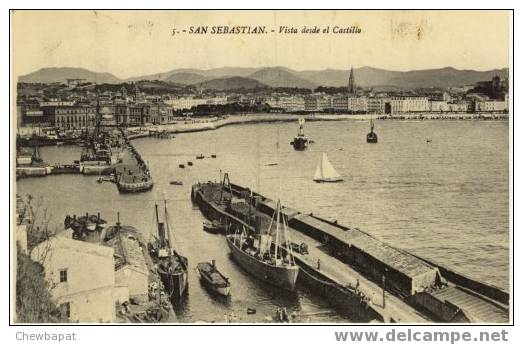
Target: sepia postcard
x,y
261,166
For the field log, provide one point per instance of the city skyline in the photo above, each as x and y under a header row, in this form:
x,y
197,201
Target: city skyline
x,y
133,43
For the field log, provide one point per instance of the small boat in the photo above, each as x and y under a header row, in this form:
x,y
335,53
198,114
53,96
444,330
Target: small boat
x,y
213,156
251,311
200,156
271,164
429,140
300,141
176,183
181,166
325,172
189,163
213,227
213,279
372,137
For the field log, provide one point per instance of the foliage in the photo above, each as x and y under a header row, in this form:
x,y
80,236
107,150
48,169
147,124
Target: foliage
x,y
34,302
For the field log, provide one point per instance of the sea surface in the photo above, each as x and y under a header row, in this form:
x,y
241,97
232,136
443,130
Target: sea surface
x,y
445,198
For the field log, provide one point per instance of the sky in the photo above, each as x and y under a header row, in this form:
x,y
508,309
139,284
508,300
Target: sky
x,y
133,43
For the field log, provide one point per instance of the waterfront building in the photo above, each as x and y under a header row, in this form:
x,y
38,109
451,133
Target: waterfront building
x,y
122,113
378,105
292,103
491,106
409,104
439,106
81,276
340,103
72,117
357,104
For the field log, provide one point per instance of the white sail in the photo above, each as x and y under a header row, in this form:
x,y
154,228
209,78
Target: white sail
x,y
325,171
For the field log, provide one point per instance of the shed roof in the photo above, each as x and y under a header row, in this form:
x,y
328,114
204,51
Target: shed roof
x,y
381,251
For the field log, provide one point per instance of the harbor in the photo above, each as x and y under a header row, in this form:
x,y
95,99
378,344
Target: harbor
x,y
308,302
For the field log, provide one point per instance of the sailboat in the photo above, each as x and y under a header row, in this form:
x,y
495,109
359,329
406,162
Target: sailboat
x,y
171,266
270,259
325,172
372,137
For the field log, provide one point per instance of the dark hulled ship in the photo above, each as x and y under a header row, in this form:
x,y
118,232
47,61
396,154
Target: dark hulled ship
x,y
300,141
372,137
271,258
171,266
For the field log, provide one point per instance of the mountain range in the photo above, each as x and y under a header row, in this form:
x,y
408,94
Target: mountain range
x,y
228,78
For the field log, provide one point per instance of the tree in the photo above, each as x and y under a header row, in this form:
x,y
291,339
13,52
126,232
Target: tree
x,y
34,302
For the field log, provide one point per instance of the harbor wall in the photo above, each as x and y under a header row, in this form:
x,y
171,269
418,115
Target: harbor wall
x,y
344,300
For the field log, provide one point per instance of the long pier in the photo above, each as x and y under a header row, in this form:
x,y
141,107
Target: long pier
x,y
362,276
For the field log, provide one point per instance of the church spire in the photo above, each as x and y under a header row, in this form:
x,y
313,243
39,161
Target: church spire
x,y
351,86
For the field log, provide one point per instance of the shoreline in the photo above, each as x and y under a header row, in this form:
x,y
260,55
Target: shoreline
x,y
213,123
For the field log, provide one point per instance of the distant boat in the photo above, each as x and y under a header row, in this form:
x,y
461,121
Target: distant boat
x,y
214,279
300,141
325,172
181,166
176,183
200,156
372,137
189,163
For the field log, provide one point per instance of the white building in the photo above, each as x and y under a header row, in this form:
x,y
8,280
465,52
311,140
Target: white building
x,y
408,104
81,276
292,103
491,106
357,104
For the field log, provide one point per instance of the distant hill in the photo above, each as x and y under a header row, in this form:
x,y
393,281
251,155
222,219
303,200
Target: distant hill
x,y
280,77
61,74
227,78
185,78
231,83
375,77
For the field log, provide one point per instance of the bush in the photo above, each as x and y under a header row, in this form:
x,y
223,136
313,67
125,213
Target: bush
x,y
34,302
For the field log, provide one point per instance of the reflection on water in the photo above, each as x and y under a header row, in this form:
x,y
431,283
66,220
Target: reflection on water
x,y
446,200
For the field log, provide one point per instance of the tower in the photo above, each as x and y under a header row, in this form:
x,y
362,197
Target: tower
x,y
352,86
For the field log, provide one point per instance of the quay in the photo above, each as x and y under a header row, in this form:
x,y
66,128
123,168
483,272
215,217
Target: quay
x,y
132,175
361,275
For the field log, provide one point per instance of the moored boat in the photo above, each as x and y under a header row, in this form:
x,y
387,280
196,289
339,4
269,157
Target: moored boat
x,y
213,227
300,141
372,137
171,266
213,279
270,260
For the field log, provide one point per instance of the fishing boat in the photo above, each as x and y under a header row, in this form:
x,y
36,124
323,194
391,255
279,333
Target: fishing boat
x,y
171,266
181,166
372,137
200,156
214,279
189,163
176,183
213,227
300,141
325,172
271,259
